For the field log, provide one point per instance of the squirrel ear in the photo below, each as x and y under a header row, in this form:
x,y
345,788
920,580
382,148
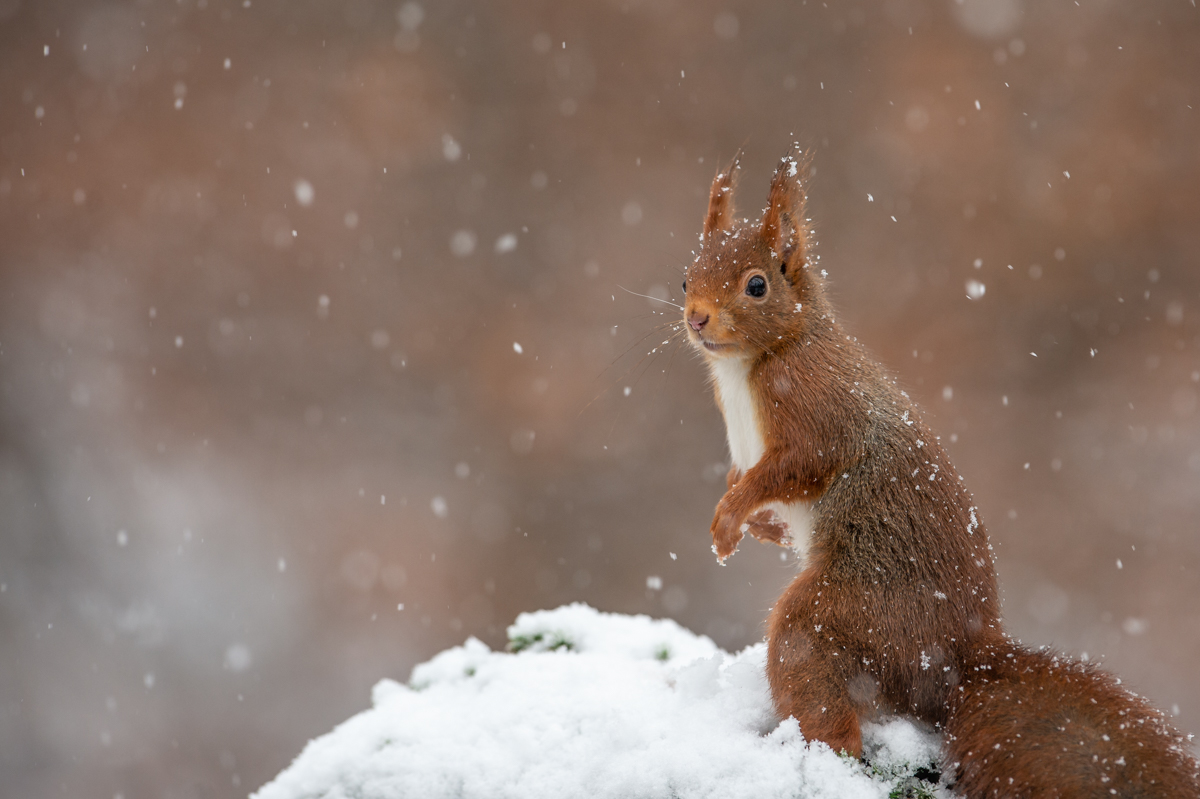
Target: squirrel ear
x,y
720,200
784,225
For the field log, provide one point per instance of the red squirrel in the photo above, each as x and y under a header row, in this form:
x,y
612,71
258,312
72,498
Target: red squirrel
x,y
895,609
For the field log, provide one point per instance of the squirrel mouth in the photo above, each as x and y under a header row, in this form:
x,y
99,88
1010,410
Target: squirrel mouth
x,y
713,346
699,340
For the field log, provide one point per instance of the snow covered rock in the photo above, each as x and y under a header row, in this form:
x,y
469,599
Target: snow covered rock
x,y
597,705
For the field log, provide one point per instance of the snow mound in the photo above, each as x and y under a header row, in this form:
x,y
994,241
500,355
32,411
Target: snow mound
x,y
598,705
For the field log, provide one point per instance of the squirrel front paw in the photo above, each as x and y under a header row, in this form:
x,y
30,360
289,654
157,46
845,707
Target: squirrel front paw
x,y
726,533
767,527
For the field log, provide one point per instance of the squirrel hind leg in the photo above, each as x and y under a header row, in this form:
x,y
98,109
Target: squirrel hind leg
x,y
829,719
807,687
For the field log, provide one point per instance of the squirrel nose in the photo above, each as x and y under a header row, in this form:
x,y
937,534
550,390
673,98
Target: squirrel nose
x,y
697,321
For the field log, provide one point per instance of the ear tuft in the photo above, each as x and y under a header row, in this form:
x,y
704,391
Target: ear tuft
x,y
720,200
784,225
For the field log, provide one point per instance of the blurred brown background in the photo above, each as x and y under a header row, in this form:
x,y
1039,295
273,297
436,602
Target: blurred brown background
x,y
263,265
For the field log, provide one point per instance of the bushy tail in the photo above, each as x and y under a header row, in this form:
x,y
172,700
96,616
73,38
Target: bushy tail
x,y
1034,724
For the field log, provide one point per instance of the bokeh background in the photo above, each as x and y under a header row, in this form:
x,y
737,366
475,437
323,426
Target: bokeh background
x,y
321,346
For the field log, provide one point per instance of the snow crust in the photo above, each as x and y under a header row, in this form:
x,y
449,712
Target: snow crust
x,y
598,705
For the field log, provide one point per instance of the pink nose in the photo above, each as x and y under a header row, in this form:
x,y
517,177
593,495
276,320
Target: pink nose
x,y
697,321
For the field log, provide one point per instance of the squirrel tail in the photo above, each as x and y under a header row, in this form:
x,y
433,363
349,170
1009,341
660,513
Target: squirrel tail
x,y
1034,724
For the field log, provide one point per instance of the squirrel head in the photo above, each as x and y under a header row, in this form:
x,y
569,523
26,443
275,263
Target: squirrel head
x,y
751,287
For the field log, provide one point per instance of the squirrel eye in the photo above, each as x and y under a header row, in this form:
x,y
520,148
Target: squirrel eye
x,y
685,287
756,287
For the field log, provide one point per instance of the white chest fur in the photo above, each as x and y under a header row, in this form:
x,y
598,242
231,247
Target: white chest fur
x,y
746,444
741,411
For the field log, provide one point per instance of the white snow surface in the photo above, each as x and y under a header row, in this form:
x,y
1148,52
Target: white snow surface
x,y
593,705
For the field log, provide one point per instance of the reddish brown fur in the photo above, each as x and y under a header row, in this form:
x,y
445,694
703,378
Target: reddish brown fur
x,y
762,525
1033,724
720,201
896,608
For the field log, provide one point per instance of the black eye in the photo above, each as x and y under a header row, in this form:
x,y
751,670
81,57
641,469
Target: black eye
x,y
757,286
685,287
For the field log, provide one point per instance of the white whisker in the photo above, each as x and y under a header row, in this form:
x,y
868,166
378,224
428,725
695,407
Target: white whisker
x,y
647,296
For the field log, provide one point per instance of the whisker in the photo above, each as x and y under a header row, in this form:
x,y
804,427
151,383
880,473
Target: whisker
x,y
674,337
676,325
647,296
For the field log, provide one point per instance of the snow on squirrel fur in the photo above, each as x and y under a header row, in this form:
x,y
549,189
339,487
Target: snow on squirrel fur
x,y
597,705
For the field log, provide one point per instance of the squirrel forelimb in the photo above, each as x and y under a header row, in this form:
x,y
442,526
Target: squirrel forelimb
x,y
747,506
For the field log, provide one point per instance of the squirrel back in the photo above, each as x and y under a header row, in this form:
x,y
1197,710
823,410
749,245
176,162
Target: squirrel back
x,y
896,607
